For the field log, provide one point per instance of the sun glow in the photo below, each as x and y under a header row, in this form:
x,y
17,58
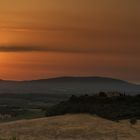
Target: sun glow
x,y
5,38
4,59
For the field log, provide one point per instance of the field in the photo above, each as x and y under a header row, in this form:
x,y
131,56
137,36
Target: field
x,y
26,106
70,127
22,116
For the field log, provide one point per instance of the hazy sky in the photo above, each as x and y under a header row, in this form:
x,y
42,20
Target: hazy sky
x,y
48,38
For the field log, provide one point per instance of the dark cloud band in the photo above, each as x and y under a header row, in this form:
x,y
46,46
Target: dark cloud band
x,y
39,49
92,50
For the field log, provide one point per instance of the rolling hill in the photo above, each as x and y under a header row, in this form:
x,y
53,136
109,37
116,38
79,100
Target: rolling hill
x,y
70,127
69,85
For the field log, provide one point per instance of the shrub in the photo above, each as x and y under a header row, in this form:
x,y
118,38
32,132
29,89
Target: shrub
x,y
133,121
113,108
102,94
12,138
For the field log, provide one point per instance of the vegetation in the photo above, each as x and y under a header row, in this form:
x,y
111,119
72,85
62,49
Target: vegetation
x,y
113,108
12,138
133,121
26,106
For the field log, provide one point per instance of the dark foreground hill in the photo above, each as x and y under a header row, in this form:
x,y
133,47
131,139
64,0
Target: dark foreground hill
x,y
113,108
69,85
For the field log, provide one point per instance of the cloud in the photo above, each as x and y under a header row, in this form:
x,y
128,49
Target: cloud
x,y
19,49
35,28
40,49
92,50
58,49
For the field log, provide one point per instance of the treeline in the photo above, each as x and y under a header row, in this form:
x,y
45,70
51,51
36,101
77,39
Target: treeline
x,y
10,110
113,108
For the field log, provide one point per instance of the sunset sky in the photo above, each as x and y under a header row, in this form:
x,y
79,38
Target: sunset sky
x,y
49,38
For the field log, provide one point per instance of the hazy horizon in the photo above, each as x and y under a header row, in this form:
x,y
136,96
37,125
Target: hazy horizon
x,y
69,76
48,38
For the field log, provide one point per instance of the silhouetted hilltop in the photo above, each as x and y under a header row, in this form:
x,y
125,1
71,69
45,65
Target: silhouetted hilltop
x,y
69,85
82,79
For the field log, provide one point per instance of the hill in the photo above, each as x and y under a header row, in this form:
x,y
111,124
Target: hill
x,y
70,127
69,85
30,99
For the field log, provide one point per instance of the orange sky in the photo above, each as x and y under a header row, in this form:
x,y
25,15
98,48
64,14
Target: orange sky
x,y
47,38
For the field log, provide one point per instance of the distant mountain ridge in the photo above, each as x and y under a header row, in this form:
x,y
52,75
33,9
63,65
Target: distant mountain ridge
x,y
73,78
82,79
69,85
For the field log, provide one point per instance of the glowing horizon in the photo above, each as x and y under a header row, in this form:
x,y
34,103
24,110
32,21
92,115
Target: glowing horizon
x,y
50,38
